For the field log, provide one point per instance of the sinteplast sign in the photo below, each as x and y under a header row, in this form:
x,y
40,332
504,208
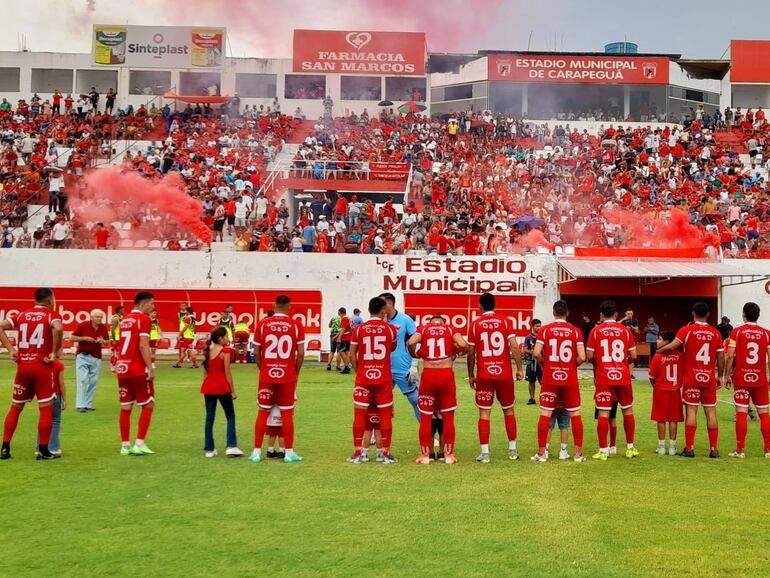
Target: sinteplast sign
x,y
158,46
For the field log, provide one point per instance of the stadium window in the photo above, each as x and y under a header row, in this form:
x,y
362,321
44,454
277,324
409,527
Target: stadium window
x,y
256,85
405,88
361,88
102,80
695,95
149,82
437,94
459,92
305,86
10,79
51,79
200,83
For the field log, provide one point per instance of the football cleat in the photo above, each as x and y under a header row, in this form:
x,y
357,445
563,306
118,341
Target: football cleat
x,y
714,454
5,452
579,459
211,454
737,454
513,455
255,458
672,451
613,451
563,455
388,459
423,459
233,452
125,451
661,450
767,454
601,456
685,453
483,458
176,366
292,458
632,453
450,459
539,458
142,450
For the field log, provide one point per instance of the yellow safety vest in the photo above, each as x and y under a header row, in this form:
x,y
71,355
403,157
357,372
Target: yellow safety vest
x,y
116,330
154,331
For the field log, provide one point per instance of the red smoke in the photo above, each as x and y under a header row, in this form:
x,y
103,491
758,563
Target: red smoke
x,y
534,239
129,192
645,231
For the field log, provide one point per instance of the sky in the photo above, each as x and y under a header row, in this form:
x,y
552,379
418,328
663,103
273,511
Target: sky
x,y
263,28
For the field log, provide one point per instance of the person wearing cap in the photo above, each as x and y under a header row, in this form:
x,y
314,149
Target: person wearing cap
x,y
379,242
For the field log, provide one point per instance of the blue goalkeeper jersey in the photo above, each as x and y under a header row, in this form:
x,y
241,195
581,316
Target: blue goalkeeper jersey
x,y
400,360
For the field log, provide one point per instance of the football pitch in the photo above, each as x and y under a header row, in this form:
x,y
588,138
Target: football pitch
x,y
179,514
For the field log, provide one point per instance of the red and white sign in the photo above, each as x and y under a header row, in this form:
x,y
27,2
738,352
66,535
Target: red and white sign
x,y
750,61
359,52
388,171
462,309
566,68
75,303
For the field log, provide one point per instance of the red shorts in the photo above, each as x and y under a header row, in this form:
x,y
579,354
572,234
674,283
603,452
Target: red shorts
x,y
552,395
487,389
184,343
281,394
437,391
274,430
153,343
33,380
705,396
604,395
759,395
381,394
667,405
240,338
136,390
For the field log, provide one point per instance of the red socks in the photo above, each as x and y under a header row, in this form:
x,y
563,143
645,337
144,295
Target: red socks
x,y
713,438
449,432
260,427
629,427
741,429
764,427
510,426
689,436
543,425
386,427
125,424
287,427
613,435
145,417
45,424
359,426
577,432
602,429
483,431
11,422
426,433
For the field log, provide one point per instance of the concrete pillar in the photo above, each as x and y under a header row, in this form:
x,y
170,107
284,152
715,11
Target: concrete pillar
x,y
626,101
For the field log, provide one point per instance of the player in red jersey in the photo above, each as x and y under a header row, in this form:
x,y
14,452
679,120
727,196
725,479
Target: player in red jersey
x,y
491,346
612,348
279,349
39,345
560,350
135,374
370,347
702,347
666,378
437,344
746,370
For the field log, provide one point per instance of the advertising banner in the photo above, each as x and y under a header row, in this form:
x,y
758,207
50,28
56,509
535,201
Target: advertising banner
x,y
750,61
358,52
565,68
158,46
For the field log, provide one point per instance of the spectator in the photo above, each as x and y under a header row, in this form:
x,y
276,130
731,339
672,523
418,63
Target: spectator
x,y
725,328
91,336
651,332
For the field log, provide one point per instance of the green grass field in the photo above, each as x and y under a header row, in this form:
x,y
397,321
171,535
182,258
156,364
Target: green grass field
x,y
179,514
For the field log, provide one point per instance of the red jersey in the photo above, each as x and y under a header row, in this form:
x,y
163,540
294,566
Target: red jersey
x,y
437,342
560,342
751,343
132,327
489,334
35,331
375,340
278,337
215,382
666,370
700,343
346,331
612,344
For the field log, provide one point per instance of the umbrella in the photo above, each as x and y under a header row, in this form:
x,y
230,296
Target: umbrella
x,y
412,107
529,221
385,103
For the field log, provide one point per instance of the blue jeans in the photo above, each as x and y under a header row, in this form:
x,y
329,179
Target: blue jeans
x,y
54,444
211,412
87,372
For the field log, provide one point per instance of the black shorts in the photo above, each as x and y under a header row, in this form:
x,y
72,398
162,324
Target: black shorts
x,y
613,411
231,220
219,225
534,373
343,346
334,345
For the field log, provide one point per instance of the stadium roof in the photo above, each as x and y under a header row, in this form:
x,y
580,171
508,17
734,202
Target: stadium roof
x,y
577,268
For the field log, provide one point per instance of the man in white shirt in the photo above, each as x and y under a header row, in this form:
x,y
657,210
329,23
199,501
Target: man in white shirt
x,y
261,204
322,226
240,214
60,233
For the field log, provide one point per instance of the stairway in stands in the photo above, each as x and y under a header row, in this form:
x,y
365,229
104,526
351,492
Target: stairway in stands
x,y
732,139
301,131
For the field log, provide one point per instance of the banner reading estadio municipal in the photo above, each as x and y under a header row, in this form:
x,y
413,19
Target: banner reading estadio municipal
x,y
566,68
158,46
359,52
